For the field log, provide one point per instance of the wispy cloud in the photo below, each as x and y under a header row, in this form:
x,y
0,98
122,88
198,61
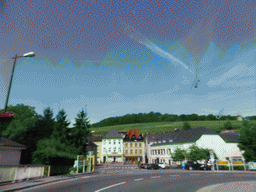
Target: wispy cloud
x,y
228,78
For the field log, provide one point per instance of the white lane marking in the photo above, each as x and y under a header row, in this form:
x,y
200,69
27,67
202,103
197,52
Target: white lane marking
x,y
155,177
110,186
174,175
138,179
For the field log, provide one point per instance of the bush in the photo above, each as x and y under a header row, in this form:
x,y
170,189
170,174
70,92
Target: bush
x,y
186,125
228,125
73,170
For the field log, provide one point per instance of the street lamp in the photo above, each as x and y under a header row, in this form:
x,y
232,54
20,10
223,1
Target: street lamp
x,y
30,54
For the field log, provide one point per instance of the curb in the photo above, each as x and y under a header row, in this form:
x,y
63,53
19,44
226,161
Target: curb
x,y
45,182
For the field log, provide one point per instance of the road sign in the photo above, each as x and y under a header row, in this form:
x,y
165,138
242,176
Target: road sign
x,y
237,162
252,165
211,152
223,162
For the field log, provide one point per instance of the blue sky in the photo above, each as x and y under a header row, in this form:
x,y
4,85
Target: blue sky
x,y
137,72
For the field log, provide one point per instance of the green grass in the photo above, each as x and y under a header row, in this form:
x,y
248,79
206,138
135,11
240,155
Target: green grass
x,y
159,127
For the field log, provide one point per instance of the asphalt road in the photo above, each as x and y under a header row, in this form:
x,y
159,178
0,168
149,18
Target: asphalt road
x,y
133,179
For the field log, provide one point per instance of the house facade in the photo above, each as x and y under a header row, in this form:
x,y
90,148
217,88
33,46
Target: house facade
x,y
224,144
10,152
112,147
97,140
134,146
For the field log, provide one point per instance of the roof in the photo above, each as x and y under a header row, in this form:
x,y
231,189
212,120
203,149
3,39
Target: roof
x,y
134,132
95,138
91,145
113,134
181,136
6,142
230,136
238,115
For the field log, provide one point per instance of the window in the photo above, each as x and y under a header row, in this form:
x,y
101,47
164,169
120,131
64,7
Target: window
x,y
136,151
130,144
164,151
135,144
140,151
160,160
119,142
126,144
114,149
140,145
119,150
158,151
109,150
169,151
159,141
104,142
131,151
163,141
109,142
164,160
126,151
105,150
114,142
170,140
155,152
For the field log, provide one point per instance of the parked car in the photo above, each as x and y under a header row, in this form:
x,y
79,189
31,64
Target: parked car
x,y
163,165
193,165
152,166
143,166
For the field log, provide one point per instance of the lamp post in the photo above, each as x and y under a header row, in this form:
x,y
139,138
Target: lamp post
x,y
5,116
30,54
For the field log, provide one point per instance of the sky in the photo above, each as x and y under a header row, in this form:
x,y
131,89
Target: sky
x,y
113,58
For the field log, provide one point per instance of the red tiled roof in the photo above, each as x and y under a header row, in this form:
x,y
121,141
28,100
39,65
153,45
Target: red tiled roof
x,y
132,132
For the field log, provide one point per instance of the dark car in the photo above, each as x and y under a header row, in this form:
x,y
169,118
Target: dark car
x,y
143,166
194,165
152,166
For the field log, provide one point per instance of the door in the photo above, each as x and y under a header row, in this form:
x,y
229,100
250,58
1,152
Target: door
x,y
114,159
157,160
104,159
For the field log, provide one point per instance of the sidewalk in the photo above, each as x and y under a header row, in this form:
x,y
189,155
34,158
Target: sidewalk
x,y
39,181
249,186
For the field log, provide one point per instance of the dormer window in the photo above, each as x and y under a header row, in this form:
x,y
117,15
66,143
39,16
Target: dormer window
x,y
171,140
163,141
159,141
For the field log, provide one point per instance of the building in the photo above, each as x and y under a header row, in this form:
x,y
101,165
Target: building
x,y
112,147
161,145
239,118
97,140
134,146
10,151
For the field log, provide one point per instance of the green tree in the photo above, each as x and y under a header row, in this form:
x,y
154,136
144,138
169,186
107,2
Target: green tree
x,y
196,153
80,133
248,140
186,125
192,117
179,154
202,118
61,126
210,117
182,117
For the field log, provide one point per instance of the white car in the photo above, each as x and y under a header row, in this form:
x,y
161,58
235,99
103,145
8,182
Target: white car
x,y
163,165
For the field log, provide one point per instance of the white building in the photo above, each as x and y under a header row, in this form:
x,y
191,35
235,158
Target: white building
x,y
112,147
160,146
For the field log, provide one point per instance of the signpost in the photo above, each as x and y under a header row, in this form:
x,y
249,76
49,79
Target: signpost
x,y
90,154
237,161
212,158
80,161
221,163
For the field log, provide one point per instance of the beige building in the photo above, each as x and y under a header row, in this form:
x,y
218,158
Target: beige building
x,y
97,140
134,146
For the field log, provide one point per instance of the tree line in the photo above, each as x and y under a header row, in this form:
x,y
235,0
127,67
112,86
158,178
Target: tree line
x,y
158,117
48,140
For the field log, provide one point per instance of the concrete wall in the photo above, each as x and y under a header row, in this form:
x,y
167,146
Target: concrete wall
x,y
9,156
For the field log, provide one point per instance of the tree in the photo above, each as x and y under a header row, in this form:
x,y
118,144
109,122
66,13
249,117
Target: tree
x,y
196,153
202,118
179,154
186,125
192,117
248,140
210,117
80,133
61,126
182,117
